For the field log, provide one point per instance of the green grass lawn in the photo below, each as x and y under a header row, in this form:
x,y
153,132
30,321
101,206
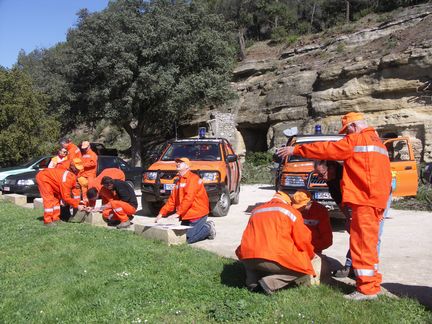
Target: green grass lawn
x,y
76,273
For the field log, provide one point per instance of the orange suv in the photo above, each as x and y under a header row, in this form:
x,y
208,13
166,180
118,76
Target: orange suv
x,y
296,172
213,159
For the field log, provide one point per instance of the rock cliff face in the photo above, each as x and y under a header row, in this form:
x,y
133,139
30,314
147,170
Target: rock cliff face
x,y
379,70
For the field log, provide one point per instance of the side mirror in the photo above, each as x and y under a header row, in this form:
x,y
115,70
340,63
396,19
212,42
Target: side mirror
x,y
231,158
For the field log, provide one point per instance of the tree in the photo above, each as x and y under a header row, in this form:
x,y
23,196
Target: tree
x,y
26,130
144,65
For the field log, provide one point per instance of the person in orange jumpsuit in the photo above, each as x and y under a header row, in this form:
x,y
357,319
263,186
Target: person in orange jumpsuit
x,y
189,202
276,247
366,183
56,185
316,218
96,190
61,160
89,159
73,150
122,204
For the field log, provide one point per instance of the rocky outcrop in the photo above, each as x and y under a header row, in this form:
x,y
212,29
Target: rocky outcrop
x,y
376,70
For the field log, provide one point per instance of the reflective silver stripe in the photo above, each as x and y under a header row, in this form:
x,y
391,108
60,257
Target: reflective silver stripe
x,y
182,185
364,272
56,207
370,148
76,197
118,209
65,176
200,181
276,209
48,210
86,156
311,221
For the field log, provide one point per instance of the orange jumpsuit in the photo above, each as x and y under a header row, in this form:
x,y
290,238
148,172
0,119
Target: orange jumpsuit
x,y
105,194
123,202
73,151
89,159
188,199
317,220
55,185
276,232
59,162
366,183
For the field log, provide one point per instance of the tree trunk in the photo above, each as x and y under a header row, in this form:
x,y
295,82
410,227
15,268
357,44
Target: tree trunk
x,y
312,16
136,145
347,11
242,44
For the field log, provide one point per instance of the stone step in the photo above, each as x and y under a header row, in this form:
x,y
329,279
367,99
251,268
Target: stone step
x,y
171,235
16,199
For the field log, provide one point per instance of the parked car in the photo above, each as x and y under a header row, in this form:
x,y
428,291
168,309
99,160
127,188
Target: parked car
x,y
213,159
34,164
25,183
296,172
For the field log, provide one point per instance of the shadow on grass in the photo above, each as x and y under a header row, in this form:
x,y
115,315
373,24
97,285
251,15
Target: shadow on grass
x,y
233,275
421,293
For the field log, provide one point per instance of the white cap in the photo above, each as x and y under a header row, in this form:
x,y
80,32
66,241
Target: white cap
x,y
291,131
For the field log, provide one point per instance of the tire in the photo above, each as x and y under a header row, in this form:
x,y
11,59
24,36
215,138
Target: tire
x,y
148,208
236,198
222,206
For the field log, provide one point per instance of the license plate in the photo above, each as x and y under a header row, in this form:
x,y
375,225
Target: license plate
x,y
169,186
322,195
6,189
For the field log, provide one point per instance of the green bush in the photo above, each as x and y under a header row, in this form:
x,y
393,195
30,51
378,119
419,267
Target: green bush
x,y
257,168
422,201
259,158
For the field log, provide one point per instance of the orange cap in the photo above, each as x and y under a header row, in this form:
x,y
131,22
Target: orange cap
x,y
85,144
282,195
348,119
185,160
301,198
78,164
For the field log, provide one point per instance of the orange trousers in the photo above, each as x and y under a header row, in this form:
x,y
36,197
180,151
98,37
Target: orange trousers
x,y
51,200
363,244
118,210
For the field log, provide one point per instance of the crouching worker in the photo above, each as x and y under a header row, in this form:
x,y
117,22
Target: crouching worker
x,y
189,202
56,184
276,247
122,203
96,190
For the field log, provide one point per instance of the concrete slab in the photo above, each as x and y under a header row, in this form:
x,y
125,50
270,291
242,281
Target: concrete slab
x,y
16,199
95,219
38,203
79,217
160,233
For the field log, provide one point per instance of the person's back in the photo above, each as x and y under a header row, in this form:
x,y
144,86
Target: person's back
x,y
125,192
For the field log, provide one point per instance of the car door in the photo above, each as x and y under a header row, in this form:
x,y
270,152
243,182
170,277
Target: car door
x,y
403,166
232,169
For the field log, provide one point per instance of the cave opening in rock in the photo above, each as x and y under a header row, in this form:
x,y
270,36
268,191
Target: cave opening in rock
x,y
255,137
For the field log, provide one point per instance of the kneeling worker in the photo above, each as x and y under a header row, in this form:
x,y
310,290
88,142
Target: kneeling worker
x,y
276,247
123,204
96,190
190,202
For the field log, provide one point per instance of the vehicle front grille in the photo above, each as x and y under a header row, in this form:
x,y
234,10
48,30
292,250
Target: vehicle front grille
x,y
316,181
167,175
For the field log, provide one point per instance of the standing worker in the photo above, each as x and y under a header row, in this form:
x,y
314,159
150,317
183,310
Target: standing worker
x,y
74,151
89,159
276,247
61,160
189,202
365,186
56,184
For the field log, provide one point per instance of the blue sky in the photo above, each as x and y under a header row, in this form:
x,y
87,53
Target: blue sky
x,y
31,24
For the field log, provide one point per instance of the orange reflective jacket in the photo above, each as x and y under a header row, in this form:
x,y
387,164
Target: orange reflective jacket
x,y
73,151
276,232
189,198
366,174
59,162
61,181
317,220
89,160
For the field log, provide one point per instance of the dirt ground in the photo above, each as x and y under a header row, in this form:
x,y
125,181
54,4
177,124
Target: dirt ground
x,y
406,251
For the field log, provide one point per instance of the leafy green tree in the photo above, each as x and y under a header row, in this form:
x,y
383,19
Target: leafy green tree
x,y
144,65
26,130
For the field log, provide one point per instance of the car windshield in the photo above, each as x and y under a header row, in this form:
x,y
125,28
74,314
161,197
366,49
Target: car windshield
x,y
193,151
31,162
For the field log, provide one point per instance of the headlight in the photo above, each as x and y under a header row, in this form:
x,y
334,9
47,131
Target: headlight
x,y
150,175
28,182
294,181
209,176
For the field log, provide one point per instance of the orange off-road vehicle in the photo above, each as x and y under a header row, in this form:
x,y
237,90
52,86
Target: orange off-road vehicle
x,y
297,172
213,159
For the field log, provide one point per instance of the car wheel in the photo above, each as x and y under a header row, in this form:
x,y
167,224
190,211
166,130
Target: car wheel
x,y
221,207
148,208
236,198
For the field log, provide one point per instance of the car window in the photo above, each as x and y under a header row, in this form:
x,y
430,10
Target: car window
x,y
398,151
193,151
107,162
44,163
124,165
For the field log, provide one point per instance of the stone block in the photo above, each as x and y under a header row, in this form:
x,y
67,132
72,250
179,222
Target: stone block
x,y
79,217
16,199
38,203
162,233
95,219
